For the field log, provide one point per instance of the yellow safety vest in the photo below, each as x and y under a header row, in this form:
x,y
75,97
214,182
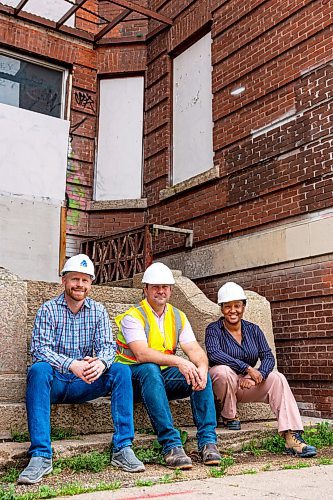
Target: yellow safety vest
x,y
174,322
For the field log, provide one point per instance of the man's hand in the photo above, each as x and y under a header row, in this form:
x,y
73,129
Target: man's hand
x,y
190,372
255,375
246,383
78,367
94,369
203,372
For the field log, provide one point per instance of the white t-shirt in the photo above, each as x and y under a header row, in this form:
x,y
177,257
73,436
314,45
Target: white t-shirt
x,y
133,330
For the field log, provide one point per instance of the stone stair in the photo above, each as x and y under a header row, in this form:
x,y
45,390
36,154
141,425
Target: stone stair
x,y
19,302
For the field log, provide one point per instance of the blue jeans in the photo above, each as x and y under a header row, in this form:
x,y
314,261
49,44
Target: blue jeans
x,y
155,387
46,386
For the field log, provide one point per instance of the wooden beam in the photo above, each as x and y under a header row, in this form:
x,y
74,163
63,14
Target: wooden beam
x,y
20,6
112,24
142,10
69,13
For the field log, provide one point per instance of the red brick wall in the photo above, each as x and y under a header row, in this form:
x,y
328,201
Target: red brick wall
x,y
282,53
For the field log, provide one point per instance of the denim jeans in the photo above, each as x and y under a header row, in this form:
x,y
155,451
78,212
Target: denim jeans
x,y
46,386
155,387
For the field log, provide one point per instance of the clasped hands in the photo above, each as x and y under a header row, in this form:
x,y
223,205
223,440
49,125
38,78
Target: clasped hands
x,y
254,378
195,376
88,369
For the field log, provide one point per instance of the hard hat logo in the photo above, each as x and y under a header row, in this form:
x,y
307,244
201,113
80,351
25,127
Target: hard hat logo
x,y
81,264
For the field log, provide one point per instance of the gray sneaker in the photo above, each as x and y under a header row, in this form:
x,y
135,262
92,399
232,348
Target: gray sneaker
x,y
126,460
37,468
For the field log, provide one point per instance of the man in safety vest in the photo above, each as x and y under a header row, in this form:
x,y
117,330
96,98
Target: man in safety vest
x,y
147,341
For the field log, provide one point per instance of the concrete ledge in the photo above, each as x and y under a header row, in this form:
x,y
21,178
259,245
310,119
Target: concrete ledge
x,y
140,203
197,180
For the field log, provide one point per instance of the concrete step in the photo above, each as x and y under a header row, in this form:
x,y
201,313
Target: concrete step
x,y
94,417
15,453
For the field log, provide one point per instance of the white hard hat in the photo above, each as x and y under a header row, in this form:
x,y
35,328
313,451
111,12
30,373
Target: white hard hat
x,y
158,274
80,264
230,291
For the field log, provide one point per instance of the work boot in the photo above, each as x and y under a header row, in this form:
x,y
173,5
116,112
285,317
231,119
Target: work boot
x,y
295,445
176,458
210,454
126,460
233,424
35,470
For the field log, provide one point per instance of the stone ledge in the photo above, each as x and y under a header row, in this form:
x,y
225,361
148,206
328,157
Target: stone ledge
x,y
137,203
197,180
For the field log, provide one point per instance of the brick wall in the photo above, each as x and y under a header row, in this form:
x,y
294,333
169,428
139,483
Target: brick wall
x,y
282,53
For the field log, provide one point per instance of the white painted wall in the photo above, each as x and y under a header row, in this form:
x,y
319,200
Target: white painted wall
x,y
29,242
192,111
33,153
119,158
33,166
49,9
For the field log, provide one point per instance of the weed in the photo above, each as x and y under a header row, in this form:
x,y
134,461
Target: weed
x,y
146,430
11,475
249,471
57,434
150,455
178,473
266,467
252,447
325,461
225,462
319,436
92,462
183,436
144,482
66,490
299,465
166,479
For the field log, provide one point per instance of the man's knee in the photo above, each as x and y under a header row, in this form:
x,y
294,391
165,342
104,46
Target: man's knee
x,y
119,371
276,378
40,371
147,372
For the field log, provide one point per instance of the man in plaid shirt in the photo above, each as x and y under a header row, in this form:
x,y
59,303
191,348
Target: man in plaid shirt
x,y
73,362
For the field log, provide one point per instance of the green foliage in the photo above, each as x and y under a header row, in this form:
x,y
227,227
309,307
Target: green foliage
x,y
144,482
319,436
249,471
220,471
252,447
266,467
57,434
183,436
325,461
166,479
69,489
92,462
11,475
150,455
299,465
146,430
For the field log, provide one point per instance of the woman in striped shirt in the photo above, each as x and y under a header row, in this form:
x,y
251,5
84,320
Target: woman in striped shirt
x,y
233,347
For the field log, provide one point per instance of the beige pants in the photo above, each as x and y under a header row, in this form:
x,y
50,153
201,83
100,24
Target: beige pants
x,y
274,390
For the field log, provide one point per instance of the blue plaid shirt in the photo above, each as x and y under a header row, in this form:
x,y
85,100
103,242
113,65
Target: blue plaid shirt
x,y
60,336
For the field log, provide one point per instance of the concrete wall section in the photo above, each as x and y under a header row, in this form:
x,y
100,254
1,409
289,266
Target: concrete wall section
x,y
29,243
119,160
307,238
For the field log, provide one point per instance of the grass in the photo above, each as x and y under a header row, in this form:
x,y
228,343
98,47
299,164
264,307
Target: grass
x,y
69,489
249,471
153,454
299,465
91,462
220,471
57,434
319,436
11,475
144,482
325,461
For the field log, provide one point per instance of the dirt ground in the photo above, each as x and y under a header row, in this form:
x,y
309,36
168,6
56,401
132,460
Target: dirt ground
x,y
245,463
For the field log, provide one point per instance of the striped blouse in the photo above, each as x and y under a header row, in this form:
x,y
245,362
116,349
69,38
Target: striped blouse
x,y
223,349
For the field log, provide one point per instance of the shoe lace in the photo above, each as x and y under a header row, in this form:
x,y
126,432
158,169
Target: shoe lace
x,y
297,436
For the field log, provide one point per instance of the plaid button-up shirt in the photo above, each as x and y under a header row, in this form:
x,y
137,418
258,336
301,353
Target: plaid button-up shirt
x,y
60,336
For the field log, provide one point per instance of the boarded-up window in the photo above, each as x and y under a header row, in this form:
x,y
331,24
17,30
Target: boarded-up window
x,y
119,158
192,111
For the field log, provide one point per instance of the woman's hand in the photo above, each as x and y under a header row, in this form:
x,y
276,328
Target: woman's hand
x,y
255,375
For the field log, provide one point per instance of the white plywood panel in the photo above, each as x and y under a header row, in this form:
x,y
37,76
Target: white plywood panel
x,y
192,111
49,9
29,242
33,153
119,159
